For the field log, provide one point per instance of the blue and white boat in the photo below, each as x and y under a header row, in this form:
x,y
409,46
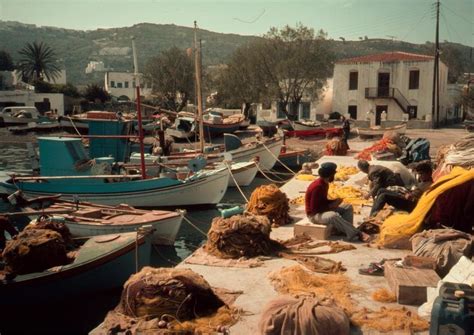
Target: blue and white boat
x,y
66,169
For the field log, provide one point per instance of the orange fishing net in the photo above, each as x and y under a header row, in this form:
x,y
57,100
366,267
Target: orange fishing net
x,y
384,295
268,200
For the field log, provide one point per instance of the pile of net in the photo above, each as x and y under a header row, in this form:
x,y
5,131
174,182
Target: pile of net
x,y
239,236
460,154
336,147
303,315
268,200
348,194
447,246
35,250
295,280
162,300
390,142
343,173
45,222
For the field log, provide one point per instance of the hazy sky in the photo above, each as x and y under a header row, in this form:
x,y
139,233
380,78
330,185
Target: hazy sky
x,y
409,20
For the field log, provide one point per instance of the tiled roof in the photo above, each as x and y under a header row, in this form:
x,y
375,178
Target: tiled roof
x,y
395,56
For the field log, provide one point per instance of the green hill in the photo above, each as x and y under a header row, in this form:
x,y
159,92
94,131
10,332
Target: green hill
x,y
77,48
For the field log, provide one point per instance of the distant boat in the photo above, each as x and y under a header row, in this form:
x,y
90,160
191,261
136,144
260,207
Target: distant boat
x,y
102,262
305,125
328,132
35,127
293,159
269,128
215,125
184,127
21,115
378,131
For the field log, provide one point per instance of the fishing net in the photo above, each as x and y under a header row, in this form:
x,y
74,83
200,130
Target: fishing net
x,y
35,250
336,147
384,295
343,173
45,222
385,144
446,246
301,316
397,229
239,236
174,299
268,200
348,194
295,280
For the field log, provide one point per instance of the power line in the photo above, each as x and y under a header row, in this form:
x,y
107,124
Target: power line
x,y
416,24
460,16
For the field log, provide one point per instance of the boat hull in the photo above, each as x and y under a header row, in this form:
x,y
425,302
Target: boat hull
x,y
379,132
298,126
215,130
207,189
103,266
74,125
244,174
266,158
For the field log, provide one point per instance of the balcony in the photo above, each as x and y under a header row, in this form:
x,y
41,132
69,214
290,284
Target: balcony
x,y
388,93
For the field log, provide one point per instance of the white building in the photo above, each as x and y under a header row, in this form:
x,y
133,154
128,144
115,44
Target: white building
x,y
94,66
121,84
398,83
42,101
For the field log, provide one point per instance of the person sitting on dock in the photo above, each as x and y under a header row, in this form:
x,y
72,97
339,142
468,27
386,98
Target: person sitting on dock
x,y
321,210
402,198
379,177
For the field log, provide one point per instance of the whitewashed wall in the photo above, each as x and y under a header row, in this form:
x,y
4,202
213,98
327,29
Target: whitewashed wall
x,y
29,98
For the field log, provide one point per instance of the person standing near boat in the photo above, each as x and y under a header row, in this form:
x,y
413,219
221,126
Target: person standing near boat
x,y
346,129
321,210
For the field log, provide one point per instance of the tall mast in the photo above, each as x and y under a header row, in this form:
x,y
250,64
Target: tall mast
x,y
139,110
435,97
197,65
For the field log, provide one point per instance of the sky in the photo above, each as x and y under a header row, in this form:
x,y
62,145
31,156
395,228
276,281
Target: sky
x,y
406,20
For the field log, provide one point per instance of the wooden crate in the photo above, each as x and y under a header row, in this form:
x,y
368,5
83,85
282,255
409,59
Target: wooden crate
x,y
316,231
410,284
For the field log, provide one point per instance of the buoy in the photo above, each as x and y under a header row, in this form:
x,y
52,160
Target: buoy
x,y
227,213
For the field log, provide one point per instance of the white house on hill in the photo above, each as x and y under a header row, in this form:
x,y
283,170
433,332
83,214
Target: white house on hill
x,y
398,83
122,84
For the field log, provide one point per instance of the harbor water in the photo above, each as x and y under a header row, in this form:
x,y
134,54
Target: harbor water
x,y
82,315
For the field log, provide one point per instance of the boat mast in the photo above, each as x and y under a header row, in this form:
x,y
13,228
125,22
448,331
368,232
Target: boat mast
x,y
197,65
139,110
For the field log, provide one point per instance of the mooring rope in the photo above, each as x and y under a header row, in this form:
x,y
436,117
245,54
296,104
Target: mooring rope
x,y
194,226
235,181
267,177
278,160
75,128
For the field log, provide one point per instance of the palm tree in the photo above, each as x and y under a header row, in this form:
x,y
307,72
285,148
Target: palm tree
x,y
38,61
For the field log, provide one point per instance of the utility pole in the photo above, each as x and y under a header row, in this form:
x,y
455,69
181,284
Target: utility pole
x,y
435,98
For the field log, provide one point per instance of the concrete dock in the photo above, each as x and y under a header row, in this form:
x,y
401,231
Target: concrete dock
x,y
258,290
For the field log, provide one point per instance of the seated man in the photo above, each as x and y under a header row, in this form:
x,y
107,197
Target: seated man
x,y
320,209
402,198
379,177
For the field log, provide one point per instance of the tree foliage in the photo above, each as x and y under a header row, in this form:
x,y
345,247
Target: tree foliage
x,y
287,65
171,75
38,61
95,92
67,89
6,61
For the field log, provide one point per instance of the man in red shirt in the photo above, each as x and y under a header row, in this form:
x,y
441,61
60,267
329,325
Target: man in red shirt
x,y
321,210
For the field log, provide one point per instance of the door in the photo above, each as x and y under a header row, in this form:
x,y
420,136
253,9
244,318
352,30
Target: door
x,y
384,84
378,114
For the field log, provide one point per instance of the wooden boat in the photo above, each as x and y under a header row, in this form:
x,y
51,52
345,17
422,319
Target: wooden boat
x,y
213,128
21,115
378,131
328,132
74,123
35,127
184,127
75,175
305,125
102,262
268,128
87,219
293,159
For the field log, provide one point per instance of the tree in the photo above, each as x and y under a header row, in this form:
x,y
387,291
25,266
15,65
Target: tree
x,y
6,62
171,75
286,65
95,92
38,61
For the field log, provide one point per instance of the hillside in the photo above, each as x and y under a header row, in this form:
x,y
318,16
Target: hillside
x,y
77,48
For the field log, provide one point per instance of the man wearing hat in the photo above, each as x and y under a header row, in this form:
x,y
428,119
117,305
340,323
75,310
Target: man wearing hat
x,y
320,209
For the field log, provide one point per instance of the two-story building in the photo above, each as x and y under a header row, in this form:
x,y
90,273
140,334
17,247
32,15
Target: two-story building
x,y
122,84
397,86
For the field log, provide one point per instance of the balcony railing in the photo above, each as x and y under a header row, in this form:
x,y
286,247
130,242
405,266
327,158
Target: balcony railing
x,y
388,93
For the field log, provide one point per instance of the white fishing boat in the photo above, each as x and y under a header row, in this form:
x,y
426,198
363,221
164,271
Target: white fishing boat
x,y
379,131
184,127
21,115
244,173
305,125
86,219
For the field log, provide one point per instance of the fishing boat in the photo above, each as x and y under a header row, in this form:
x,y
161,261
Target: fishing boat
x,y
215,125
86,219
305,125
74,123
92,180
243,173
38,127
293,159
328,132
379,131
268,128
101,263
184,127
21,115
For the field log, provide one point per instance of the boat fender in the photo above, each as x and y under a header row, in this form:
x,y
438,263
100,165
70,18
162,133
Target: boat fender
x,y
226,213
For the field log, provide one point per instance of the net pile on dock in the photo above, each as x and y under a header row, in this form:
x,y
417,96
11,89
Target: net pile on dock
x,y
460,153
295,280
239,236
35,250
268,200
390,142
345,172
348,194
161,299
336,147
303,315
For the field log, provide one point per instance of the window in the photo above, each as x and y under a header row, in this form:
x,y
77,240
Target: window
x,y
126,84
353,80
305,110
112,83
119,85
280,113
412,112
352,110
134,84
414,81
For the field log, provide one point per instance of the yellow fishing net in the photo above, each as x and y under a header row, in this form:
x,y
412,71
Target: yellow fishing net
x,y
306,177
398,228
344,172
348,194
